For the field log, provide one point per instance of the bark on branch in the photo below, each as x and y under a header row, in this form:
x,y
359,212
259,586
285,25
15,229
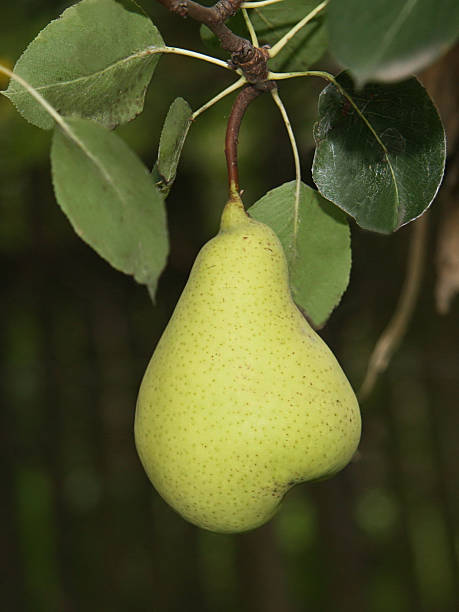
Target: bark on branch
x,y
251,60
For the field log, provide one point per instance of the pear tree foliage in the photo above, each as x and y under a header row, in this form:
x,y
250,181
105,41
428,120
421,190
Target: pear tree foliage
x,y
380,143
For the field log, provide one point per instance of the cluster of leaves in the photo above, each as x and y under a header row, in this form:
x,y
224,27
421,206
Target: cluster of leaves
x,y
380,147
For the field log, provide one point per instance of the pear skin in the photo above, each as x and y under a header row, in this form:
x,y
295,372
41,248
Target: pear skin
x,y
241,399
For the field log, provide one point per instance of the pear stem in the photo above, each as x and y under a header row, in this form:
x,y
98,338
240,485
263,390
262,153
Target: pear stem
x,y
242,101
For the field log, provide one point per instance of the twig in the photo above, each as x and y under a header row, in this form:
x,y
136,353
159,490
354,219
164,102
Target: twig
x,y
213,17
209,15
247,59
392,335
250,59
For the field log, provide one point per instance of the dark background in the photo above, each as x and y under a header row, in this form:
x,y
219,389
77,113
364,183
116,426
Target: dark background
x,y
81,526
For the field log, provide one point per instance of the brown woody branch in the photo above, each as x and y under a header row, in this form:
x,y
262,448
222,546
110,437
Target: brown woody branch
x,y
242,101
251,60
392,335
219,13
240,105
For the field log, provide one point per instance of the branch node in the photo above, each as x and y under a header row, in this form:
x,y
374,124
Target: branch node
x,y
226,9
252,61
180,7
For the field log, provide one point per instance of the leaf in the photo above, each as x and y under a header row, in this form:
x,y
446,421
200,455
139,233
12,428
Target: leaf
x,y
91,62
271,23
109,198
317,244
173,135
307,46
387,171
389,40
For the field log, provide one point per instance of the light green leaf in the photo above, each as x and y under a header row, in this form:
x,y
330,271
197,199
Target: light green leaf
x,y
387,40
173,135
110,199
93,62
316,241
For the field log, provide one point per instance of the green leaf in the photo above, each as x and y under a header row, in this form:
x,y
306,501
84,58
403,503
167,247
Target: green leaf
x,y
384,164
173,135
271,23
307,46
109,198
316,240
92,62
388,40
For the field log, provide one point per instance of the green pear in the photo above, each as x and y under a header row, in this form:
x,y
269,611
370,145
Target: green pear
x,y
241,400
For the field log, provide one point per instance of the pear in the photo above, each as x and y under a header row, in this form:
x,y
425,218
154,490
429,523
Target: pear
x,y
241,400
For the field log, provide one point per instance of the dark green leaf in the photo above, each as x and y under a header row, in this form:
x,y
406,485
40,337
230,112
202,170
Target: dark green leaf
x,y
91,62
306,47
316,240
271,23
173,135
387,171
388,39
110,199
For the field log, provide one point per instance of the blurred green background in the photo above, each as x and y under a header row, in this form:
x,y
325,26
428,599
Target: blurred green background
x,y
81,526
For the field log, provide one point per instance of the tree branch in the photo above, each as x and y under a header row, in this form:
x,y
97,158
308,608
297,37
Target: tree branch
x,y
251,60
392,335
209,15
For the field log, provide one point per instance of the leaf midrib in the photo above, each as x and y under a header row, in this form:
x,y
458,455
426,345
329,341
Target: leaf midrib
x,y
105,174
376,136
43,88
392,32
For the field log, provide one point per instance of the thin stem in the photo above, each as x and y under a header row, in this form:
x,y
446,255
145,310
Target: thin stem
x,y
329,77
296,156
242,101
55,115
291,33
279,76
187,52
260,4
39,98
250,28
233,87
392,335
